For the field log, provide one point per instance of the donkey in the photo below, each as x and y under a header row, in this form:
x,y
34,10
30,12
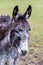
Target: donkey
x,y
14,36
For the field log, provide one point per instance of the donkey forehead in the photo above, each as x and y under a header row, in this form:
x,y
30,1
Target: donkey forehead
x,y
22,25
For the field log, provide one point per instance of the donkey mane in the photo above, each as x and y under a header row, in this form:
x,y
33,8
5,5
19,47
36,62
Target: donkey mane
x,y
4,25
4,19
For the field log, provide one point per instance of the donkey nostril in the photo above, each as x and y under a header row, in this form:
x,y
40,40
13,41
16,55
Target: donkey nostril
x,y
24,52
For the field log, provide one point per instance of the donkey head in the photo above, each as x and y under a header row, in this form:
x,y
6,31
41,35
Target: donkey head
x,y
19,34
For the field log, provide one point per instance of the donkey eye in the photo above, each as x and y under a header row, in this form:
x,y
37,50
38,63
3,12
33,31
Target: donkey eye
x,y
20,30
16,31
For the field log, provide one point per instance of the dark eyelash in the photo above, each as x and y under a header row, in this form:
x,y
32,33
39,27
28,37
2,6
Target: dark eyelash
x,y
20,30
16,31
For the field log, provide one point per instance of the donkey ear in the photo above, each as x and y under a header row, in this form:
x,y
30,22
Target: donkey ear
x,y
28,12
15,12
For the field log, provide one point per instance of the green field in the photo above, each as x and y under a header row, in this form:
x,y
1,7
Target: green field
x,y
36,21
